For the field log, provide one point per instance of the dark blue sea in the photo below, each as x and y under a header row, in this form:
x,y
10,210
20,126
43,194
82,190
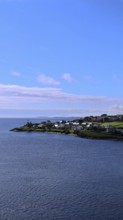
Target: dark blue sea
x,y
49,176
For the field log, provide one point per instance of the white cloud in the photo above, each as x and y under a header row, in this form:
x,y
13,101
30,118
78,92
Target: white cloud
x,y
37,94
50,94
54,111
67,77
42,78
16,73
21,97
47,112
116,108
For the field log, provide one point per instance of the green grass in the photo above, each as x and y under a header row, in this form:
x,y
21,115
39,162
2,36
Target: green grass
x,y
116,124
26,128
99,135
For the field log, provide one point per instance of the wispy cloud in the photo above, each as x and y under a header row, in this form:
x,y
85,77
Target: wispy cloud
x,y
20,97
68,77
118,108
40,95
47,80
49,112
54,111
48,94
16,73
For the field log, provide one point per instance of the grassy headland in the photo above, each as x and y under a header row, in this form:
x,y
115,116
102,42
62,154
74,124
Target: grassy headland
x,y
88,127
115,124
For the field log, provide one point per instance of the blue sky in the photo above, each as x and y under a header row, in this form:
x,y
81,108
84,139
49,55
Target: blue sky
x,y
61,57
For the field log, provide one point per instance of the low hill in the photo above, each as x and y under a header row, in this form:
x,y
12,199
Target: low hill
x,y
116,124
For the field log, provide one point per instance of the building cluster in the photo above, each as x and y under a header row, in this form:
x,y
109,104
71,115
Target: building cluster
x,y
87,123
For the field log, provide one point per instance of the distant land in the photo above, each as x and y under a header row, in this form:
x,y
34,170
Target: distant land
x,y
95,127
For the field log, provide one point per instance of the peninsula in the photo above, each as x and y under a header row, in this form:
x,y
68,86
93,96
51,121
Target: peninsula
x,y
95,127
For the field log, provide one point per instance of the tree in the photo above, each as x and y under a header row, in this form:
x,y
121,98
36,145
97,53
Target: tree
x,y
103,115
29,124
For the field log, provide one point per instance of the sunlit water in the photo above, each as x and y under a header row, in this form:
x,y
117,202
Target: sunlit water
x,y
47,176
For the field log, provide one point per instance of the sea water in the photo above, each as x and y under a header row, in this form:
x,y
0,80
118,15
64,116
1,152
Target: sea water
x,y
50,176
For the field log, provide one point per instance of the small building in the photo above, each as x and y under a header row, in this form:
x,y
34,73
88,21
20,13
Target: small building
x,y
40,125
75,123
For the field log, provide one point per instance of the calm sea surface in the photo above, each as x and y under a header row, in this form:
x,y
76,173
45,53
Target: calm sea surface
x,y
46,176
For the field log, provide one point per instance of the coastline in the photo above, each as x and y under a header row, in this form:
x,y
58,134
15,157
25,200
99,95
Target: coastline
x,y
82,134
